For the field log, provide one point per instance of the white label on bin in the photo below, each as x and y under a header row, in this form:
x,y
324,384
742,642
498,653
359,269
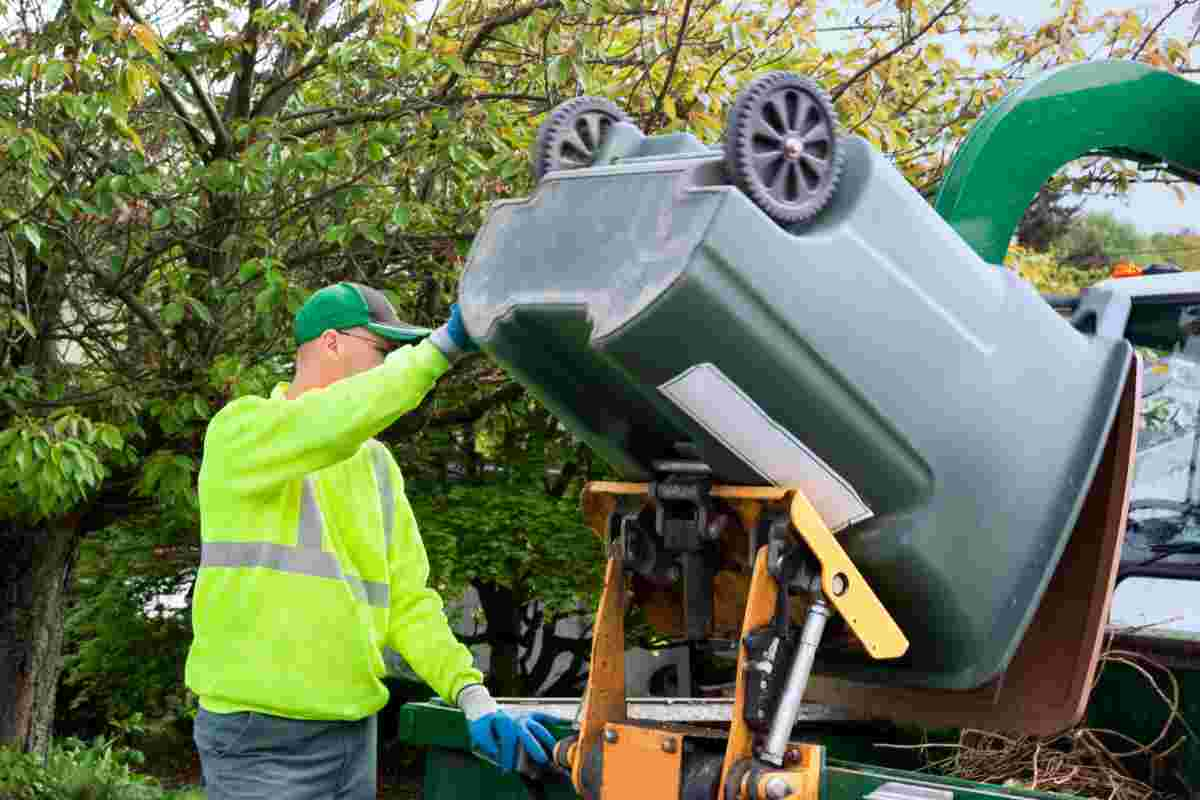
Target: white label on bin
x,y
718,405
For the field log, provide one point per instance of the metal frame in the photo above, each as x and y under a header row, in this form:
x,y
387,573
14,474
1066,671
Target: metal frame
x,y
611,754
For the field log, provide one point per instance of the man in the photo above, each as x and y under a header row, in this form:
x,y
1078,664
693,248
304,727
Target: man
x,y
311,564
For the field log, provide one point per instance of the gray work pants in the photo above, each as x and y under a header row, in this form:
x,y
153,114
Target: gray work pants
x,y
253,756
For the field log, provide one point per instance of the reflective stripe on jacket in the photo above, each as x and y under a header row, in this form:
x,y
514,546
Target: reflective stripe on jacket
x,y
311,561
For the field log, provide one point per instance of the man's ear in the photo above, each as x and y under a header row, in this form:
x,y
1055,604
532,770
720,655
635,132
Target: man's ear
x,y
330,344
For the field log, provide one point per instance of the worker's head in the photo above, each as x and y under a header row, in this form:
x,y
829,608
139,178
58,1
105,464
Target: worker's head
x,y
345,329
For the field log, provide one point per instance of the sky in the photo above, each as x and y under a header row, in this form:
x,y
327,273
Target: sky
x,y
1152,208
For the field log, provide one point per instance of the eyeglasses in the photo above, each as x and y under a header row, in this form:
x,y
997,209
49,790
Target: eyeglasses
x,y
381,349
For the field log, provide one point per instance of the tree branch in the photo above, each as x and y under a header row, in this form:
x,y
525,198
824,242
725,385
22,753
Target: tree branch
x,y
1178,4
349,119
683,23
111,285
490,27
409,110
194,133
475,410
202,97
267,106
277,94
951,6
243,84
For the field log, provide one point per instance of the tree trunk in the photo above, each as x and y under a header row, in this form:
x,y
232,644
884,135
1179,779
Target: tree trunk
x,y
33,578
503,635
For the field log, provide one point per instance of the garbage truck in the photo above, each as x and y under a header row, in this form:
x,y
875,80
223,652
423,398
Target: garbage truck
x,y
887,471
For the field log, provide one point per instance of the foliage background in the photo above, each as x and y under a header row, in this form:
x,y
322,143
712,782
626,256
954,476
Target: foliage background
x,y
175,178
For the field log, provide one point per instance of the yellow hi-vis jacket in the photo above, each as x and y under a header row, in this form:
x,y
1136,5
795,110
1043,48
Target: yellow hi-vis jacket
x,y
311,562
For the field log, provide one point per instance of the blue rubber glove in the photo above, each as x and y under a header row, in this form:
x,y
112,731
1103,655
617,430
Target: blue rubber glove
x,y
458,332
496,736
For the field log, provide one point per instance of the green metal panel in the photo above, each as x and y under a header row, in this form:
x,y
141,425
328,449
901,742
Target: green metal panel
x,y
455,775
1116,108
1123,700
849,781
434,724
452,773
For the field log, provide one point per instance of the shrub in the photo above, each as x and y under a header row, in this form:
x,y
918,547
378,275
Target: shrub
x,y
74,770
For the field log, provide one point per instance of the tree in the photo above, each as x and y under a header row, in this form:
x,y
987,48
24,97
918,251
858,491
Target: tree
x,y
1099,238
1182,248
174,179
1047,219
532,563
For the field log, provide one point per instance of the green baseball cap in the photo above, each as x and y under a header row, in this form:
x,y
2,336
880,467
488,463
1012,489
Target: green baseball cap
x,y
352,305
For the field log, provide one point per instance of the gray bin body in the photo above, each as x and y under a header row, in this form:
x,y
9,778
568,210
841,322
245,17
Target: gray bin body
x,y
942,417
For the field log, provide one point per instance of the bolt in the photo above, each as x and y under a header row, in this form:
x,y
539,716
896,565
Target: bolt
x,y
840,584
668,745
793,148
778,788
610,736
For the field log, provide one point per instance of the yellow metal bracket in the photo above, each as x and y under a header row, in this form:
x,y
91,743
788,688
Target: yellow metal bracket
x,y
604,721
845,586
604,700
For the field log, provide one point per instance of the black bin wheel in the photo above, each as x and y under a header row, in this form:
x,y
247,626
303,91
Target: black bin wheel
x,y
781,146
572,132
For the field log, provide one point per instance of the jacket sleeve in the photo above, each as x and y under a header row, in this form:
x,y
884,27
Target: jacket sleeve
x,y
418,628
260,443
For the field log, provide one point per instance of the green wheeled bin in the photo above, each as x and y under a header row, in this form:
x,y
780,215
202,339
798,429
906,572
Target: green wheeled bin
x,y
658,296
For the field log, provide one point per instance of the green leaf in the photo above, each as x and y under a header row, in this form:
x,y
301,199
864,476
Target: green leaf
x,y
376,151
24,322
200,406
111,437
400,216
172,315
250,268
456,65
54,73
200,309
324,158
33,235
161,218
265,299
387,135
372,233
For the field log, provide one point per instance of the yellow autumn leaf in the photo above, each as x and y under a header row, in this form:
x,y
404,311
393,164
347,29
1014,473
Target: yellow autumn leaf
x,y
147,39
1131,27
130,134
